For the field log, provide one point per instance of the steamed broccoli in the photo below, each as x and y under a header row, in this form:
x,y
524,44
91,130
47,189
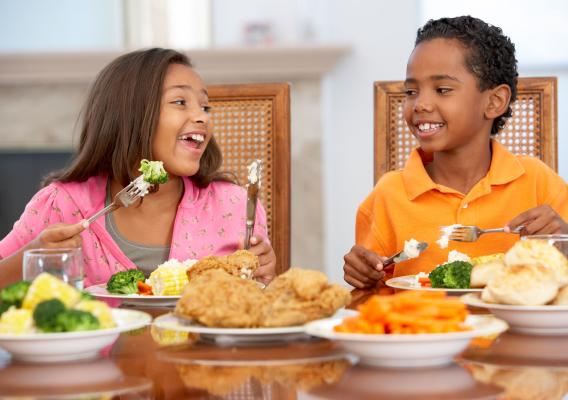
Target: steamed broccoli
x,y
4,307
125,282
53,316
14,294
453,275
77,320
153,171
46,314
86,296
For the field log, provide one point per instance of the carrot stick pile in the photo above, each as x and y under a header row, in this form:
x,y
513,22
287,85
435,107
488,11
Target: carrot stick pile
x,y
407,312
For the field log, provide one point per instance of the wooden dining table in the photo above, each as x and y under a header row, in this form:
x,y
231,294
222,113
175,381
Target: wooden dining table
x,y
151,363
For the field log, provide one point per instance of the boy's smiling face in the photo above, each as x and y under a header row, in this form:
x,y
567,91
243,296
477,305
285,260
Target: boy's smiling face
x,y
444,108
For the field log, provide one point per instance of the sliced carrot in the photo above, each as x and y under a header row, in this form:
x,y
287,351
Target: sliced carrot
x,y
144,289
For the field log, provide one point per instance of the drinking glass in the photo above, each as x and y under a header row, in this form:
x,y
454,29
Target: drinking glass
x,y
65,264
559,241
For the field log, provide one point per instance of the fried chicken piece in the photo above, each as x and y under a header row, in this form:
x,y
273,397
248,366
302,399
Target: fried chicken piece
x,y
299,296
215,298
241,263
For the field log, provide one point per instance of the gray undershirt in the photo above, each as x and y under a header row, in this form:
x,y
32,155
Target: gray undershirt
x,y
146,258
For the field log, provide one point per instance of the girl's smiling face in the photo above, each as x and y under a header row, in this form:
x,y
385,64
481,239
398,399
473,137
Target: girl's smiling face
x,y
183,130
444,108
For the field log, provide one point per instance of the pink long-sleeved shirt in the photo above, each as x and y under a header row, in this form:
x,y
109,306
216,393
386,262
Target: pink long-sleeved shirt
x,y
209,221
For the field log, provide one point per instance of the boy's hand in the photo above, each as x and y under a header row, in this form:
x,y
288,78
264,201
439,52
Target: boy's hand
x,y
266,257
541,220
59,236
363,268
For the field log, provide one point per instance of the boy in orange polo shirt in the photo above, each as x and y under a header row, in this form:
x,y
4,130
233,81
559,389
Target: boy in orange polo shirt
x,y
460,81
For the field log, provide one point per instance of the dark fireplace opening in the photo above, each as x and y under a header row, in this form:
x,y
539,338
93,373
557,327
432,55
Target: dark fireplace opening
x,y
21,173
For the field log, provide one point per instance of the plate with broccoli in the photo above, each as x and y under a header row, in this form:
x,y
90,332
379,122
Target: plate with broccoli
x,y
130,286
49,321
452,277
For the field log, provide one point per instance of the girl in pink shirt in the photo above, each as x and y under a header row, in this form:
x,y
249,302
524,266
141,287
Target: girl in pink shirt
x,y
145,104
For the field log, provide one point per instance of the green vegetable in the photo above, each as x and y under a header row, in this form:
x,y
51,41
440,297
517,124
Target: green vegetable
x,y
125,282
14,294
46,314
4,307
86,296
77,320
153,171
454,275
53,316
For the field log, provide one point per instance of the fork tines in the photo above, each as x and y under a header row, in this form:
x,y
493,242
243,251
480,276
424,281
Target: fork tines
x,y
462,234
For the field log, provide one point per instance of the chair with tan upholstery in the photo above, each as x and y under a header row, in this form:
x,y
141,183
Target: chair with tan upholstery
x,y
252,121
532,130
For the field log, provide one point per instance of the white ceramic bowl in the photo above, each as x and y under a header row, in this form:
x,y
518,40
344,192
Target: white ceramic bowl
x,y
67,346
407,350
531,320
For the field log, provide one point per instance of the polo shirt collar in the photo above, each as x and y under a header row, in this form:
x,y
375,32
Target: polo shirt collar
x,y
505,167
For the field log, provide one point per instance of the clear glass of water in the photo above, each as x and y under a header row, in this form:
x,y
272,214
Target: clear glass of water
x,y
65,264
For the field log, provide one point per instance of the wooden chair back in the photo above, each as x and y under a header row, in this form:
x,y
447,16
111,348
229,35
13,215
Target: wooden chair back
x,y
532,129
252,121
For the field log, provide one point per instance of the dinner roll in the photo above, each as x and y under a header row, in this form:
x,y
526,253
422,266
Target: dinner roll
x,y
539,252
482,273
525,284
562,297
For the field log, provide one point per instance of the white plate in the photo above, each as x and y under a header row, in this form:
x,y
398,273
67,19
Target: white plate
x,y
67,346
406,281
407,350
100,292
230,336
532,320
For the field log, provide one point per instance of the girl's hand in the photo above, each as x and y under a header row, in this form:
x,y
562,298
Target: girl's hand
x,y
363,268
59,236
267,270
541,220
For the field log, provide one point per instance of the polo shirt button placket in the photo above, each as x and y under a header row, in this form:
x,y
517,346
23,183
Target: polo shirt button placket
x,y
465,205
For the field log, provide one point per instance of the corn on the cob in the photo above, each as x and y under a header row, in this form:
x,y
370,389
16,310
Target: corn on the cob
x,y
168,280
16,321
488,258
100,310
46,287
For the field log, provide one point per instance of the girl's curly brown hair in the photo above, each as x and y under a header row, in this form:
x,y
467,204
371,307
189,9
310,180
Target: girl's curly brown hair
x,y
491,54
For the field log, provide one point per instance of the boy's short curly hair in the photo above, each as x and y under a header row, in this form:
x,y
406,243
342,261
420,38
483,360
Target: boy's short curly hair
x,y
491,55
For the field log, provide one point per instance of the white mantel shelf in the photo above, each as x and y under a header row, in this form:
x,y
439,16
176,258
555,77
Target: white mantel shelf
x,y
215,65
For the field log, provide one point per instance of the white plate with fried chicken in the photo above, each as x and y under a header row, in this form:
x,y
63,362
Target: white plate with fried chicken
x,y
219,303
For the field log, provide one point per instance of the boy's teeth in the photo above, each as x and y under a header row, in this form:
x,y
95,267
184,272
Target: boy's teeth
x,y
427,126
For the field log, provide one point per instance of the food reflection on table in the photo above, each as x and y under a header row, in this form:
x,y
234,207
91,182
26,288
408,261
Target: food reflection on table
x,y
526,367
88,379
450,382
294,366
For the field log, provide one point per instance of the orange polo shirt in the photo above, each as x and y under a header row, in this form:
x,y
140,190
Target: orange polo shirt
x,y
407,204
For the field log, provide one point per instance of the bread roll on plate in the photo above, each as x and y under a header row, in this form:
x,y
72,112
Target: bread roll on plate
x,y
562,297
541,252
481,274
525,285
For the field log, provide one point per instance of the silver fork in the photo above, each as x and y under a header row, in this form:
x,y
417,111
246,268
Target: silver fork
x,y
470,233
133,191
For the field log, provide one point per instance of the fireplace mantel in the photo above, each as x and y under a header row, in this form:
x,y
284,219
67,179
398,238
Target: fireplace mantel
x,y
240,64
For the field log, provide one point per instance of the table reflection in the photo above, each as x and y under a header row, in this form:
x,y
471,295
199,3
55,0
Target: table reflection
x,y
265,372
449,382
526,367
74,380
